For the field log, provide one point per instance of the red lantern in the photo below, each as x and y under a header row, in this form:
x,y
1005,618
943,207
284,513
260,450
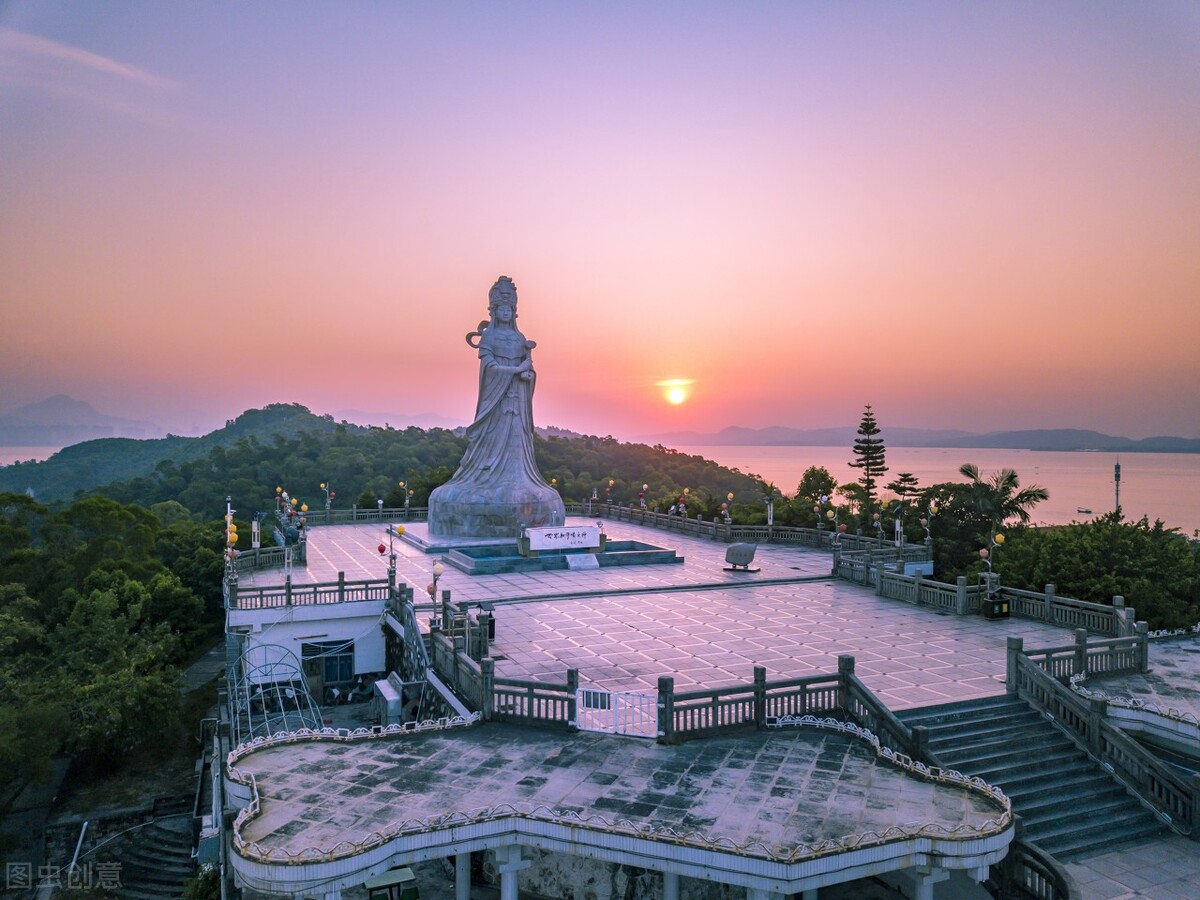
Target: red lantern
x,y
333,495
382,549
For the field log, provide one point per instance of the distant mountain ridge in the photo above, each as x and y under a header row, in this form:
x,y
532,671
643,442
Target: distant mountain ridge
x,y
1036,439
63,420
89,464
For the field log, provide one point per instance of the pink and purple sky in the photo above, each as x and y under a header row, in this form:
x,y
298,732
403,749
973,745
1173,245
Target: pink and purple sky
x,y
970,215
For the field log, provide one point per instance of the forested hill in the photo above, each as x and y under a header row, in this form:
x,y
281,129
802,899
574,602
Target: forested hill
x,y
88,465
287,446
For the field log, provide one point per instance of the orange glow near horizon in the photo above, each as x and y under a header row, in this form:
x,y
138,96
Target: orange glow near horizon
x,y
979,218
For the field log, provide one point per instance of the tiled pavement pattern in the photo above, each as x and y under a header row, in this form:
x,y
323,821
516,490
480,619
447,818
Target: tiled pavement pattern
x,y
780,788
714,638
690,625
1166,869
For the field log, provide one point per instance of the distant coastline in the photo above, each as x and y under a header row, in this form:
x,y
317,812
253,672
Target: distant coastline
x,y
1048,439
1156,485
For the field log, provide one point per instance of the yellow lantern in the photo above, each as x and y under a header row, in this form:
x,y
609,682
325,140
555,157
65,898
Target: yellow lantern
x,y
999,539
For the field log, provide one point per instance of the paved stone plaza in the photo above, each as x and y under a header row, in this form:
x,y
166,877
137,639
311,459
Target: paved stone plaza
x,y
623,627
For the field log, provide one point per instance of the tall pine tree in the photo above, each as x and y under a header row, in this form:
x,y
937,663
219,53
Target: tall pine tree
x,y
869,452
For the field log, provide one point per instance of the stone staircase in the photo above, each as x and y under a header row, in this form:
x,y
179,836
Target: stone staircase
x,y
156,859
1070,805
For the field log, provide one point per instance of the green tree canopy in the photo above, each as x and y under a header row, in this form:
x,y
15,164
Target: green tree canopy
x,y
1152,567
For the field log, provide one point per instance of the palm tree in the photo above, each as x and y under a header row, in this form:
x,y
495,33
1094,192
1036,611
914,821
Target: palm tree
x,y
999,497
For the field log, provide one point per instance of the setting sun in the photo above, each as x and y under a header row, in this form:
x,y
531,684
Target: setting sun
x,y
675,390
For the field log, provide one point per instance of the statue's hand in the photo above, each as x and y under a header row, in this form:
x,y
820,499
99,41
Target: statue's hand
x,y
527,375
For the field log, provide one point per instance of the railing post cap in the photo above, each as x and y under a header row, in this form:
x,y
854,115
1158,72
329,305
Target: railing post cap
x,y
1016,643
845,663
666,683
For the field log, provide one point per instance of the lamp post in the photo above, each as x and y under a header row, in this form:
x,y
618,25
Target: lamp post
x,y
994,607
608,492
390,550
642,495
231,539
726,506
925,523
877,519
438,570
986,554
379,506
836,529
898,521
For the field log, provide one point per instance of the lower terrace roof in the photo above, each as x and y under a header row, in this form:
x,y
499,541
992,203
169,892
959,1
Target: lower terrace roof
x,y
791,809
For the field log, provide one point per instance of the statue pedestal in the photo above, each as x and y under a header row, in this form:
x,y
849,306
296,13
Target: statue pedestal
x,y
473,510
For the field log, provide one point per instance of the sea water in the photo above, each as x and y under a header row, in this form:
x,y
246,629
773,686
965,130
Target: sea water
x,y
1158,485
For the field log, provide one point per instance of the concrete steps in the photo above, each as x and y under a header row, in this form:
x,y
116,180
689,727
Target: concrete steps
x,y
156,859
1070,805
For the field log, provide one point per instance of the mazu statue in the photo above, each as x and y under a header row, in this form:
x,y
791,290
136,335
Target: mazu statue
x,y
497,488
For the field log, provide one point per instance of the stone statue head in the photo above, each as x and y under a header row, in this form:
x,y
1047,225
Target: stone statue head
x,y
502,292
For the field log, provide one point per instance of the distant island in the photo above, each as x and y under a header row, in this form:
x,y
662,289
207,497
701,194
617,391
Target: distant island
x,y
1068,439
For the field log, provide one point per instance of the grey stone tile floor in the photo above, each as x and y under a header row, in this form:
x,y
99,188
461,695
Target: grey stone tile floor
x,y
622,628
1173,682
780,788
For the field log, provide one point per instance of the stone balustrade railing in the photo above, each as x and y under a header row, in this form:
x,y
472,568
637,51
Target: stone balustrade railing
x,y
1085,722
1089,655
287,594
965,599
270,558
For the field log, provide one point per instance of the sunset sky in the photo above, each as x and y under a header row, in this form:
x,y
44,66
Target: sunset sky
x,y
970,215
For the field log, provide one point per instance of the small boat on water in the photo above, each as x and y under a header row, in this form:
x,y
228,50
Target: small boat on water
x,y
1084,510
